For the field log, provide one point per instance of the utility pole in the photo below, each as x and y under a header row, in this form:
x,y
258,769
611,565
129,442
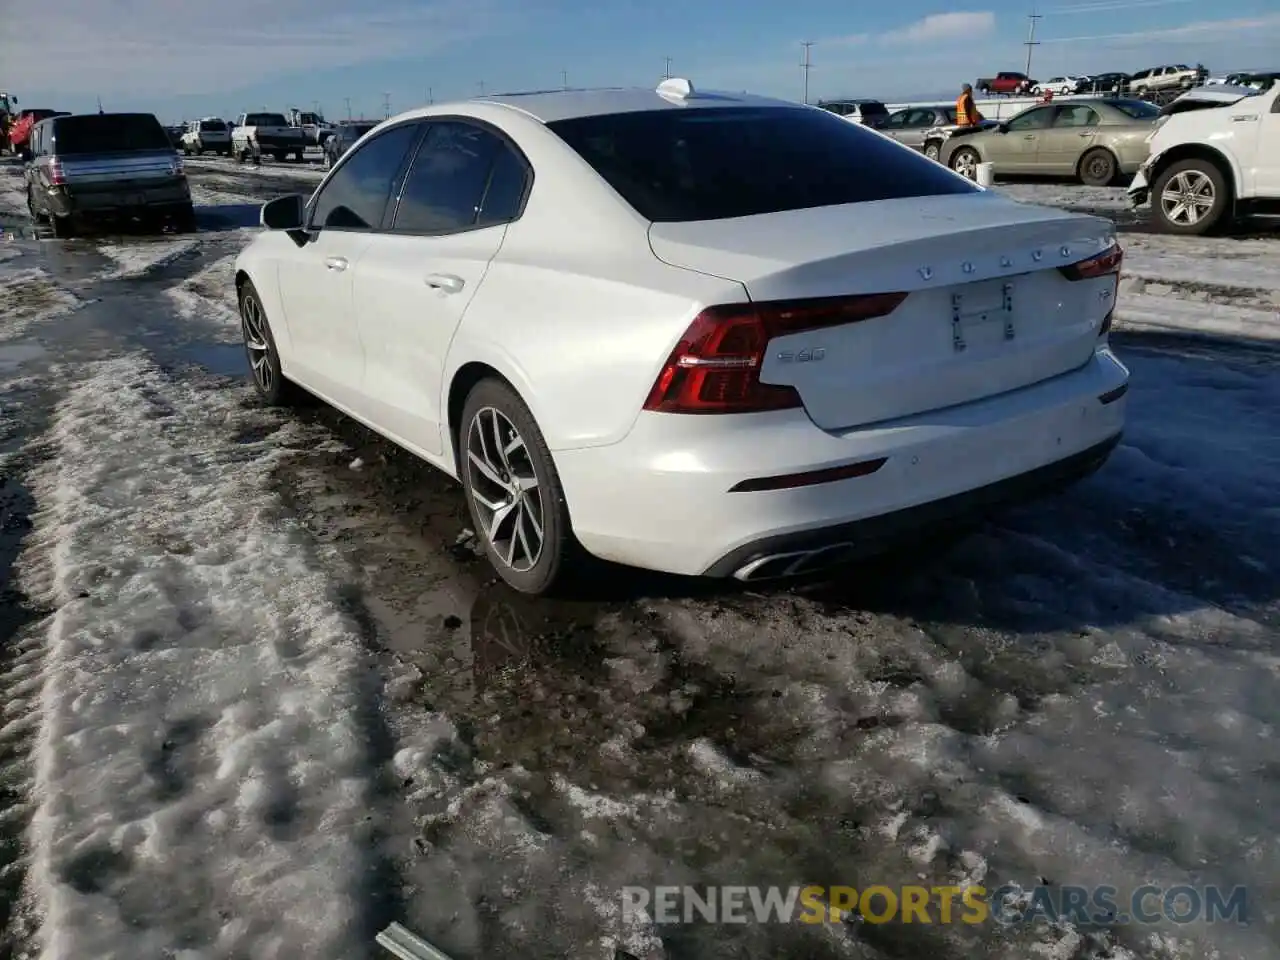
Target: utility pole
x,y
806,66
348,102
1032,42
386,106
667,74
564,77
481,86
431,95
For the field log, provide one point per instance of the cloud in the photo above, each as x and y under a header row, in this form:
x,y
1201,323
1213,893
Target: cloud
x,y
1107,6
175,47
1202,31
935,28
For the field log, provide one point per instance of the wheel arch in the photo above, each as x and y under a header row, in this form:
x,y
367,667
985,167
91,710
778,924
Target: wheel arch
x,y
1199,151
463,381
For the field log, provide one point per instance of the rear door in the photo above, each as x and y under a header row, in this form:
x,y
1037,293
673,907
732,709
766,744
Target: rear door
x,y
414,282
1072,131
315,279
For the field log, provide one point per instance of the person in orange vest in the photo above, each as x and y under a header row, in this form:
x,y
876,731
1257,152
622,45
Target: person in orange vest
x,y
967,114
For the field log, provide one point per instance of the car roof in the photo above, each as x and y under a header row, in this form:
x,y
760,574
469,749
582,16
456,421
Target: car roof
x,y
549,106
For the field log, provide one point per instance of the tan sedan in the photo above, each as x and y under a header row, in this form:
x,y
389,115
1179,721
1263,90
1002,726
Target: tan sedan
x,y
1096,140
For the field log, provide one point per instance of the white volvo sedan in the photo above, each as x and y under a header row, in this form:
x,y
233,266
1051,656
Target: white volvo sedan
x,y
696,332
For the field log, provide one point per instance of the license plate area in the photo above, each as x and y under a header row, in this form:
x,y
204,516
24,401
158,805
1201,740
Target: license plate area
x,y
982,313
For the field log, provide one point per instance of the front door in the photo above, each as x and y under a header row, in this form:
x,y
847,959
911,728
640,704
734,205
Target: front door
x,y
1014,151
416,281
315,279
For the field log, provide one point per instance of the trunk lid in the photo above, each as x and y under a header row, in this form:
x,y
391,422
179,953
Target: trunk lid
x,y
988,310
120,169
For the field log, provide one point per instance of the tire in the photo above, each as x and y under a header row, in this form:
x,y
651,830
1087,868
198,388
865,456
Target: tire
x,y
933,150
965,162
1097,167
493,419
184,219
61,227
1190,178
260,348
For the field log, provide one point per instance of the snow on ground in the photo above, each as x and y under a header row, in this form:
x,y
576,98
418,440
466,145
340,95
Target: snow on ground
x,y
210,294
13,191
138,258
29,296
203,767
1101,199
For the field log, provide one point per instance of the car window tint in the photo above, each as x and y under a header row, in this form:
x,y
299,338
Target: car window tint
x,y
721,162
920,118
447,180
1138,109
505,193
1076,116
895,120
356,195
1032,119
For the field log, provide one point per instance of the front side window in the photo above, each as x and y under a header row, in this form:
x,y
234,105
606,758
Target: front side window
x,y
356,196
446,185
1036,119
895,121
721,162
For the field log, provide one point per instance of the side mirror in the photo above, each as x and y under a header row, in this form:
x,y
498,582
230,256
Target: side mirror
x,y
283,213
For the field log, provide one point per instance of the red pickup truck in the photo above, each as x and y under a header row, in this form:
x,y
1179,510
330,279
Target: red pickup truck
x,y
1006,83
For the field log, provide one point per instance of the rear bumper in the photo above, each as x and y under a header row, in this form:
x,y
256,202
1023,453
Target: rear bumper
x,y
288,144
661,498
119,198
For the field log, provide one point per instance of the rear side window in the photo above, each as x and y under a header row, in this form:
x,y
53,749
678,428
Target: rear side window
x,y
449,181
109,133
713,164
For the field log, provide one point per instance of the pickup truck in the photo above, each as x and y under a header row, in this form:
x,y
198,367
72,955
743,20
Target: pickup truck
x,y
313,126
1006,83
98,166
1215,157
255,134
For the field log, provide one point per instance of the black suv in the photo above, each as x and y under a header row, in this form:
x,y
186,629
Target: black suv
x,y
343,139
105,166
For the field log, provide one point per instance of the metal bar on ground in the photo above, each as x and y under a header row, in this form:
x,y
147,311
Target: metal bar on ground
x,y
406,945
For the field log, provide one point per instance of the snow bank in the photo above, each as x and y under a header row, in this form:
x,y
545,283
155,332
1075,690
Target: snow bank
x,y
202,770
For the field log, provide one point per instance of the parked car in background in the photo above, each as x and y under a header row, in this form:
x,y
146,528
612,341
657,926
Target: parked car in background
x,y
1168,77
343,139
1107,83
869,112
788,283
100,166
1061,86
260,134
1213,163
208,135
921,128
1095,140
1007,83
1261,80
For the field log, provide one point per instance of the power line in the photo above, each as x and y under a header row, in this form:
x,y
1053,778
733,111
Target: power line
x,y
806,66
1032,42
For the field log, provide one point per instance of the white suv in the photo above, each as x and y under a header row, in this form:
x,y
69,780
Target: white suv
x,y
210,134
1214,163
1168,77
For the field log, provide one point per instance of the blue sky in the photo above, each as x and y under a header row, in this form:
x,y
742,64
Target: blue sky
x,y
186,58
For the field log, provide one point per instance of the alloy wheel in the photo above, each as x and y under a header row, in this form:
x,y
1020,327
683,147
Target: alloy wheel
x,y
254,327
966,164
1187,198
505,490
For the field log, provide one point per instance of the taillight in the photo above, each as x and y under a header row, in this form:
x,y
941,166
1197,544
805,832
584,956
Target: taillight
x,y
715,368
1103,264
56,176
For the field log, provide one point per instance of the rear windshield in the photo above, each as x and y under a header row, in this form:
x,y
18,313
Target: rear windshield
x,y
266,120
213,126
712,164
1138,109
109,133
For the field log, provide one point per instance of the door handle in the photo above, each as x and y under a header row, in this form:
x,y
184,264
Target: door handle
x,y
1029,136
1088,133
336,264
1244,117
444,282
